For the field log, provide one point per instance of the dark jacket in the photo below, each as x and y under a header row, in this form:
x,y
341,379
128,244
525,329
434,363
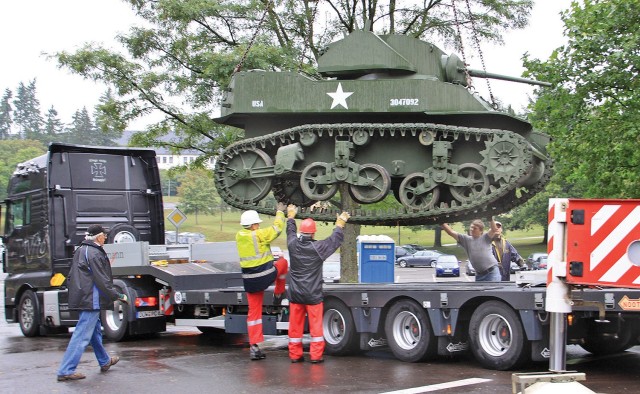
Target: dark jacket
x,y
305,267
509,254
90,281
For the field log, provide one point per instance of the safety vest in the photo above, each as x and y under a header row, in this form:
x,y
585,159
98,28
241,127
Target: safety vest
x,y
254,247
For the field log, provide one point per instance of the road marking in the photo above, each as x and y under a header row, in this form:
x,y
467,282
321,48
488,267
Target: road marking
x,y
439,386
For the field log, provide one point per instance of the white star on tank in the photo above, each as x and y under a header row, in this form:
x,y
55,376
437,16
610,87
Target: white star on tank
x,y
339,97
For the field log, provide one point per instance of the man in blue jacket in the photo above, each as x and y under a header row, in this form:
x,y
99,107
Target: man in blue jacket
x,y
91,289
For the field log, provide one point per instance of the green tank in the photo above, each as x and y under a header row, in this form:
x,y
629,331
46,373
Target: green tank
x,y
390,115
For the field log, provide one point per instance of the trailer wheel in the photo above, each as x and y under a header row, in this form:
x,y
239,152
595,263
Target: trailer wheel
x,y
339,329
29,314
601,345
115,323
123,233
409,332
497,337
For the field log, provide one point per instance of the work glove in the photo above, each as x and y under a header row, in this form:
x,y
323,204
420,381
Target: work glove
x,y
280,206
292,211
342,219
123,298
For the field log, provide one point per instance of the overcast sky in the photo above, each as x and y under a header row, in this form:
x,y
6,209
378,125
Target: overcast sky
x,y
31,27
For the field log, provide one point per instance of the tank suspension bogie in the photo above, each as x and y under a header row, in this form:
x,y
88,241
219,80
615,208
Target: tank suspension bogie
x,y
441,173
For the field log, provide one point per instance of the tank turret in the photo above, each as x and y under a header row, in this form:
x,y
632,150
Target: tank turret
x,y
390,117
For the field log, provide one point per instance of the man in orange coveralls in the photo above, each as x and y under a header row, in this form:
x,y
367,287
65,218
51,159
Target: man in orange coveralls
x,y
259,271
305,281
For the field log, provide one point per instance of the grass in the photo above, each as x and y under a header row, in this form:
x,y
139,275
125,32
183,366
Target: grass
x,y
224,227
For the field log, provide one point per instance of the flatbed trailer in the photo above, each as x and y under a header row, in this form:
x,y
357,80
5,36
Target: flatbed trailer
x,y
504,325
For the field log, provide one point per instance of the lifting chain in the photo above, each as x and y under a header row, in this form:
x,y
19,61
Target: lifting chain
x,y
477,41
253,37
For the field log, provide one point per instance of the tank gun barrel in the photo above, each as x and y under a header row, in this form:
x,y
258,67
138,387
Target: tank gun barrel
x,y
484,74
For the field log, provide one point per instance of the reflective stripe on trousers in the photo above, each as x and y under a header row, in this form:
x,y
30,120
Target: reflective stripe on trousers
x,y
297,314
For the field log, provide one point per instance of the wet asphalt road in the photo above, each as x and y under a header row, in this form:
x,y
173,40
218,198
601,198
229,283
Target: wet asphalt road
x,y
183,360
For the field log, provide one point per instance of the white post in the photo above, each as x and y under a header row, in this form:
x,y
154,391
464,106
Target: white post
x,y
558,302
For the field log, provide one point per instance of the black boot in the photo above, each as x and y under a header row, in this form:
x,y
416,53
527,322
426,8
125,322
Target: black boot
x,y
255,353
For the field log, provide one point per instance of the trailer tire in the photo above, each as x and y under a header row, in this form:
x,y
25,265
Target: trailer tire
x,y
115,323
339,329
29,314
409,333
497,337
123,233
601,345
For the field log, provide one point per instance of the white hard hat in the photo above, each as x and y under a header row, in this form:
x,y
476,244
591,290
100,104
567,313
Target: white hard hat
x,y
249,217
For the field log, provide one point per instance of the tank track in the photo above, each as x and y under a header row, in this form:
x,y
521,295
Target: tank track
x,y
502,196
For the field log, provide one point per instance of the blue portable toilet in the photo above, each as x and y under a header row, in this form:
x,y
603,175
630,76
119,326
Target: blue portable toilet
x,y
376,255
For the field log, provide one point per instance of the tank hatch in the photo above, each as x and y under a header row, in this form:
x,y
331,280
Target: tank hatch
x,y
361,53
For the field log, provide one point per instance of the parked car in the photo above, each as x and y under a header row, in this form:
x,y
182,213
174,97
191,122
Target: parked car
x,y
470,270
425,258
331,271
447,265
533,260
542,262
415,247
183,238
276,252
401,251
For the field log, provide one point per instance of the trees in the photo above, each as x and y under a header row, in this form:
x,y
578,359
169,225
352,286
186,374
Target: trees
x,y
53,126
27,115
198,192
13,152
178,63
6,119
593,110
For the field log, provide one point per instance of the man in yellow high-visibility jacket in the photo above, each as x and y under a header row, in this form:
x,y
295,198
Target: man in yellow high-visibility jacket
x,y
259,270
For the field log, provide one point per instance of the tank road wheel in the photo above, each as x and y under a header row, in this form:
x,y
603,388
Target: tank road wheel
x,y
497,337
409,333
412,194
237,180
29,314
290,192
379,183
478,186
340,335
314,182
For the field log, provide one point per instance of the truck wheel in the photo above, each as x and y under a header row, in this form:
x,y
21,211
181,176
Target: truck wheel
x,y
115,323
601,345
29,314
409,332
339,329
123,233
497,337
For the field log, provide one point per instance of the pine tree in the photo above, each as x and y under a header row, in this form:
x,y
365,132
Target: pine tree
x,y
82,129
109,120
5,115
53,125
27,111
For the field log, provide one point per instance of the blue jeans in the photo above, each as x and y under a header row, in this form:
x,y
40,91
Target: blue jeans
x,y
88,331
493,275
